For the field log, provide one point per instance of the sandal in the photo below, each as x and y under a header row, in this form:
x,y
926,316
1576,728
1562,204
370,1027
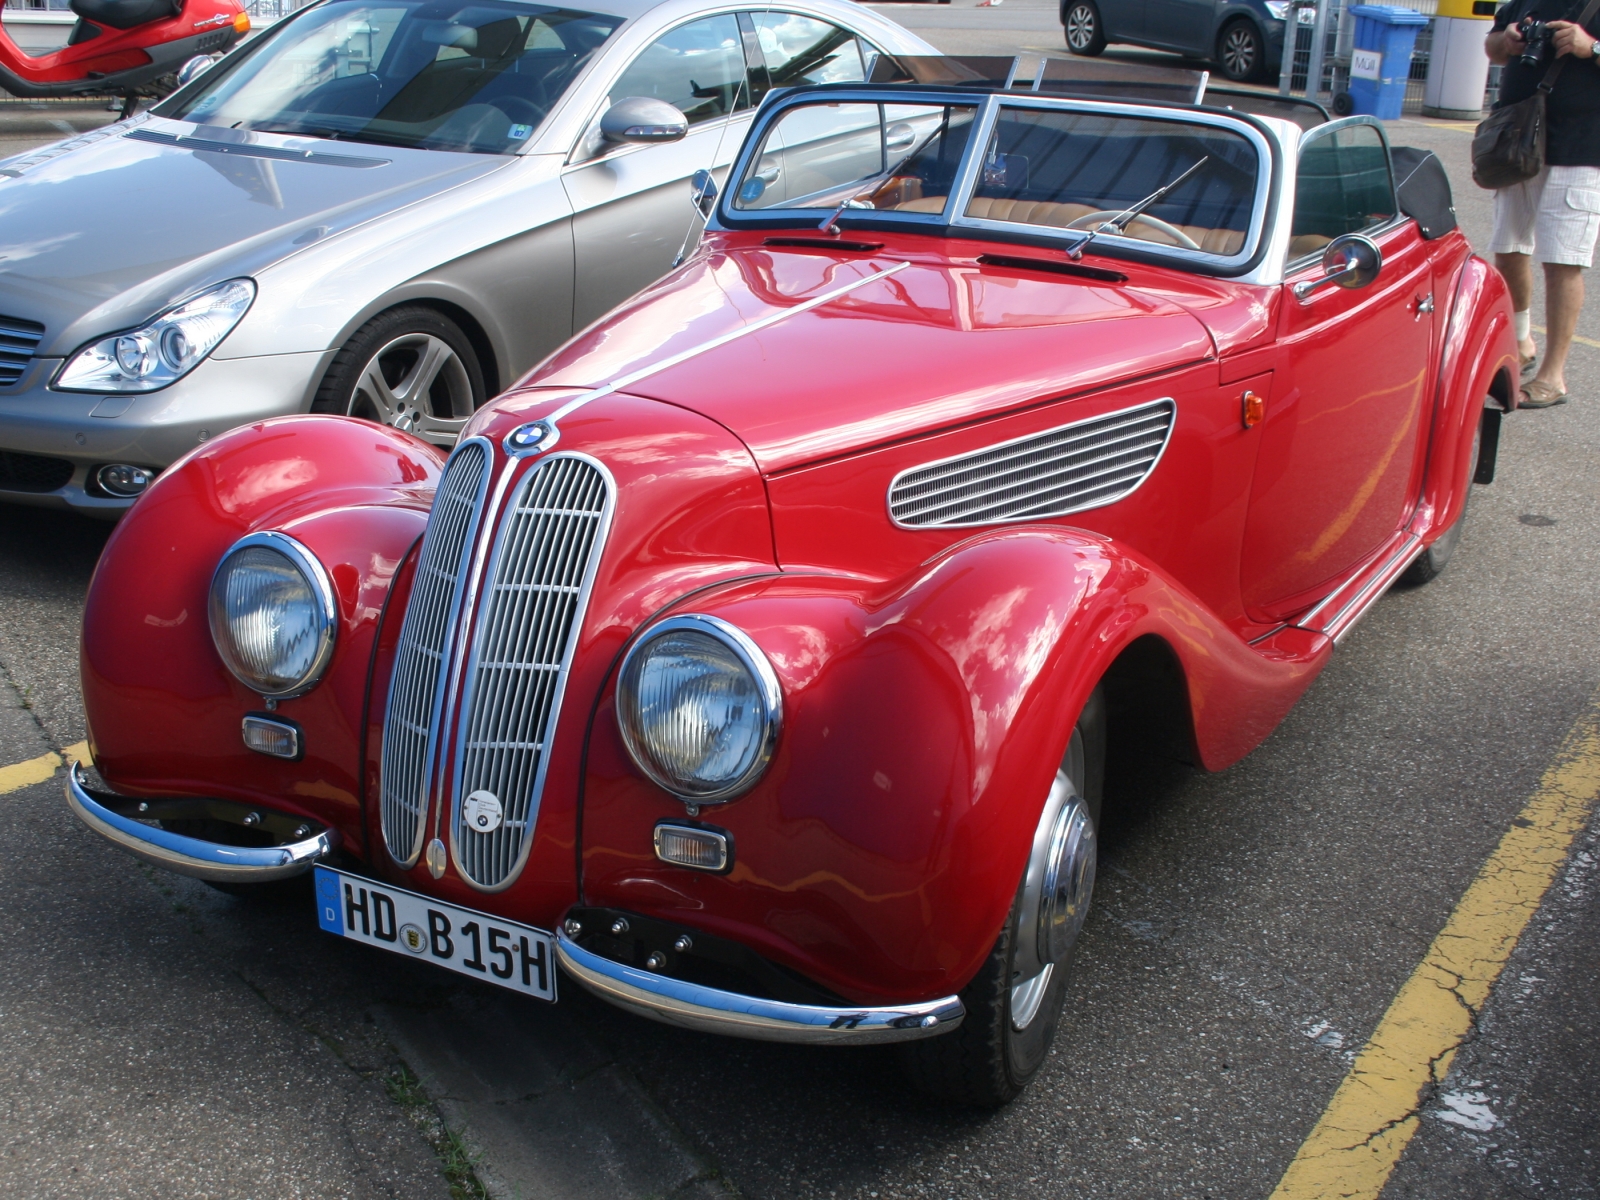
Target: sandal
x,y
1530,365
1539,394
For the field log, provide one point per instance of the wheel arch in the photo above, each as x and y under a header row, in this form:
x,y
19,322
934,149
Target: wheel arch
x,y
481,331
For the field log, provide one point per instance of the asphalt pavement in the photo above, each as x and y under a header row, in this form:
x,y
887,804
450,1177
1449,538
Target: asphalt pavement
x,y
1251,930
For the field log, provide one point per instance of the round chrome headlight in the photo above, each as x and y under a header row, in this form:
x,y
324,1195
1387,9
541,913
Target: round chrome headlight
x,y
700,708
273,615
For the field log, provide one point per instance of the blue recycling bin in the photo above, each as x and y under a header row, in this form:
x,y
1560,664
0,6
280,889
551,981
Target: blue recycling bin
x,y
1380,60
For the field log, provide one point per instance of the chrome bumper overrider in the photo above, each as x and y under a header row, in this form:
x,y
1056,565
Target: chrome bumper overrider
x,y
693,1006
190,855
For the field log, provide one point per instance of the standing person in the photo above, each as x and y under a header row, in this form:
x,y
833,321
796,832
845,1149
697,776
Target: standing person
x,y
1556,214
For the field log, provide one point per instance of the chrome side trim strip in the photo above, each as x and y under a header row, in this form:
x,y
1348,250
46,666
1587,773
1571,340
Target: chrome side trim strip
x,y
1351,610
672,360
192,856
711,1010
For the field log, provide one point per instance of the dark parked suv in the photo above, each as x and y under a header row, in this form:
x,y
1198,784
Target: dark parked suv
x,y
1243,37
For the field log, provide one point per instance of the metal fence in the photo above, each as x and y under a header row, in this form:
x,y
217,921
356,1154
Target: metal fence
x,y
1340,37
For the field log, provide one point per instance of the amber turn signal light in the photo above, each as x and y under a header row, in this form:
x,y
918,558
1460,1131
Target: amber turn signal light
x,y
241,22
1254,408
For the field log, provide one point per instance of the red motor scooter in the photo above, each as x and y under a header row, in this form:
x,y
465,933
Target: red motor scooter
x,y
121,46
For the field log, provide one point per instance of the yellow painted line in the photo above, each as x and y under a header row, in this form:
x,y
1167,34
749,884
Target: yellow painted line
x,y
1372,1116
1580,340
25,774
37,770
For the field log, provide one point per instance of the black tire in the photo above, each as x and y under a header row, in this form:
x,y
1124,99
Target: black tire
x,y
1084,30
410,349
1241,51
1343,105
987,1061
1430,564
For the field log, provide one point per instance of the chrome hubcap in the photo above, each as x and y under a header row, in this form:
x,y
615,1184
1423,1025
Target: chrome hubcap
x,y
417,383
1056,890
1080,27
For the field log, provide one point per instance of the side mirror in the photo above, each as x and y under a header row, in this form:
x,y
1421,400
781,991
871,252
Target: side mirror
x,y
194,68
702,191
1350,260
643,119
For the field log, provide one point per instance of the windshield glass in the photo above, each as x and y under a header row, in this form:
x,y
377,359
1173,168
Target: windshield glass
x,y
441,76
1077,170
878,156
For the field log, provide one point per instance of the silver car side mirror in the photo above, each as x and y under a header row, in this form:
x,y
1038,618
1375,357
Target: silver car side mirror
x,y
643,119
702,191
1350,260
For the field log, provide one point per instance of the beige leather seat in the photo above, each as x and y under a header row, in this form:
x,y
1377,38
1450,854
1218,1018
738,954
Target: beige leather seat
x,y
1306,243
1059,215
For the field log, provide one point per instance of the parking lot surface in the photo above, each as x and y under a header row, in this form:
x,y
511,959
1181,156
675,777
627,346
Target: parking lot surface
x,y
1251,932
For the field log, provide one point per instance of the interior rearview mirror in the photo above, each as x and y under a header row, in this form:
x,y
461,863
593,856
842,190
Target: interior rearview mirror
x,y
1350,261
643,119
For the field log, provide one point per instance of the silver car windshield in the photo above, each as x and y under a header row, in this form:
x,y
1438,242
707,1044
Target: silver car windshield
x,y
476,77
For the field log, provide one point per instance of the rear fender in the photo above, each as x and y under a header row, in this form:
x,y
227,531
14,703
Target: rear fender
x,y
923,724
164,712
1479,360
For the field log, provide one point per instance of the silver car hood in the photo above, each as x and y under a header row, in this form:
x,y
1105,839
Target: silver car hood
x,y
105,231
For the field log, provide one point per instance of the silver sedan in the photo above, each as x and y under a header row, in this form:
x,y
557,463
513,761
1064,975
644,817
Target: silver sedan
x,y
386,208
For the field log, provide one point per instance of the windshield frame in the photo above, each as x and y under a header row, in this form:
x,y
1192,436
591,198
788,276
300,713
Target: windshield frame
x,y
185,97
952,221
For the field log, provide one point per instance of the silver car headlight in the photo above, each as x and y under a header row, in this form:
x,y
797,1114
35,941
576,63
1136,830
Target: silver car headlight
x,y
700,708
273,615
165,350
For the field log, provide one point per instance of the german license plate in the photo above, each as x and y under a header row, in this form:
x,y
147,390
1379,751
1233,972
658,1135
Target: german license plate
x,y
489,948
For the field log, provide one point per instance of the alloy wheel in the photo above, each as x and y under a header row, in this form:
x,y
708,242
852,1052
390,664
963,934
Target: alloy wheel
x,y
1239,52
417,383
1080,27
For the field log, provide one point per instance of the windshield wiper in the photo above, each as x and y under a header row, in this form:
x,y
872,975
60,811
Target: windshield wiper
x,y
1120,221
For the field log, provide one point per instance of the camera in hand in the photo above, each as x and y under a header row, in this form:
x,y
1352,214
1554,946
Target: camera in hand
x,y
1536,35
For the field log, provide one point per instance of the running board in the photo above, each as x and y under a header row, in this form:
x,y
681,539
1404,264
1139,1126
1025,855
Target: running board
x,y
1337,614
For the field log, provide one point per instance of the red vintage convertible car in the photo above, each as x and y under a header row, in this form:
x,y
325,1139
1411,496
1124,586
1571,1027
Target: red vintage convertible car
x,y
754,658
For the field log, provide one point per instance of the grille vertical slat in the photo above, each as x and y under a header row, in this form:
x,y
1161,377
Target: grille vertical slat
x,y
19,340
1068,469
527,624
415,691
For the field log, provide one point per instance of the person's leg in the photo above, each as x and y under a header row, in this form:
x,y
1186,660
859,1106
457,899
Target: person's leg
x,y
1518,270
1563,301
1516,210
1567,226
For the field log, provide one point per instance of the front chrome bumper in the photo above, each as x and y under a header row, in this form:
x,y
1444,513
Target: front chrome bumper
x,y
693,1006
190,855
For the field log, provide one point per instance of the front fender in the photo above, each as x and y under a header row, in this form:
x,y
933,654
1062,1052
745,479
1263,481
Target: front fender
x,y
164,712
923,723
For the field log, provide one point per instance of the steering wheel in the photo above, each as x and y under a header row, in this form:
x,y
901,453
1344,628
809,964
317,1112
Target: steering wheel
x,y
1156,223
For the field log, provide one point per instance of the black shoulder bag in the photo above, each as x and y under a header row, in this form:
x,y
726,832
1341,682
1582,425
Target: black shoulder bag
x,y
1508,146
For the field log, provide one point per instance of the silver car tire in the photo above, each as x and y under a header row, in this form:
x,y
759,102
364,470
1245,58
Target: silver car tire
x,y
998,1049
411,368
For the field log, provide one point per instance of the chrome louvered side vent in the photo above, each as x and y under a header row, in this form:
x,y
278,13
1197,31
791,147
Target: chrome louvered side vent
x,y
528,619
416,690
1083,465
18,341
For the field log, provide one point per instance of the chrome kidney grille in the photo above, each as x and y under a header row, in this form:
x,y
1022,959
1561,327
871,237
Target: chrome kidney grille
x,y
522,647
18,341
416,689
1083,465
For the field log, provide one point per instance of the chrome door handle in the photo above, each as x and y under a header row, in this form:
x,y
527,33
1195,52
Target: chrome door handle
x,y
768,175
1425,304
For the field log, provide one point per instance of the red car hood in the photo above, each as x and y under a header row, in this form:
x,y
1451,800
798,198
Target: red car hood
x,y
940,342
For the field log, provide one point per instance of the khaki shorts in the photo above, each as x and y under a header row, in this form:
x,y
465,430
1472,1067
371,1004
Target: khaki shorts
x,y
1555,216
